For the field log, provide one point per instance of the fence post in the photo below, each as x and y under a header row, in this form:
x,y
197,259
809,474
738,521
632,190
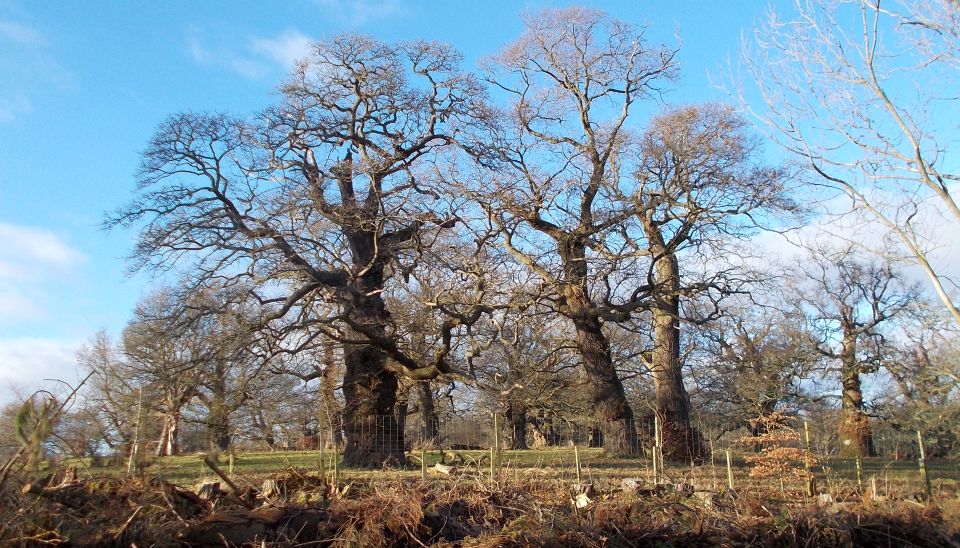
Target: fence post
x,y
423,463
492,465
922,461
323,463
811,479
729,470
336,465
576,459
657,450
859,475
134,462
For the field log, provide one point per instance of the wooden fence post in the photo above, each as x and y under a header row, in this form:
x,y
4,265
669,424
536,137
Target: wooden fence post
x,y
133,464
576,460
811,479
922,461
729,470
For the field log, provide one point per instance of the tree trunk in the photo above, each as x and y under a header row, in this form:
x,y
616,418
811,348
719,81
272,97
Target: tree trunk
x,y
218,416
428,411
169,444
681,441
544,434
373,437
218,431
613,412
856,438
516,415
609,399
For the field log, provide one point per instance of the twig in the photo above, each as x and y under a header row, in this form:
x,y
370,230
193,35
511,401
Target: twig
x,y
116,536
170,503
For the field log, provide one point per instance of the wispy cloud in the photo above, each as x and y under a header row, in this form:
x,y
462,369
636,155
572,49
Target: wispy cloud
x,y
25,363
12,31
357,13
13,106
30,260
285,49
24,244
29,69
257,58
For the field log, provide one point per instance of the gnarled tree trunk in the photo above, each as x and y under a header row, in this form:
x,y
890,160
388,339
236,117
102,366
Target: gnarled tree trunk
x,y
428,411
218,415
516,415
373,435
169,442
856,437
609,399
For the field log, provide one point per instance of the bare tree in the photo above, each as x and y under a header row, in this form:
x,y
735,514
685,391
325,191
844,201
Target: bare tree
x,y
863,92
848,300
758,357
231,359
924,364
111,397
702,189
166,361
529,368
573,78
315,203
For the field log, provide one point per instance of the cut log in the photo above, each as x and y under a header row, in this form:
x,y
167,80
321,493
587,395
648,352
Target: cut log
x,y
209,490
443,469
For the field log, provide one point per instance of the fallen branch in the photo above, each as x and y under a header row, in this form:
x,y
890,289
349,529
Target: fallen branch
x,y
211,464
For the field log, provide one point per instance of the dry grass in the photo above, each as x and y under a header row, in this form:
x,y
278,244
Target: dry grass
x,y
523,507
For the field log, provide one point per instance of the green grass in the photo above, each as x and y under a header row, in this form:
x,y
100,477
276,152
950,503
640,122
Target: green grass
x,y
553,462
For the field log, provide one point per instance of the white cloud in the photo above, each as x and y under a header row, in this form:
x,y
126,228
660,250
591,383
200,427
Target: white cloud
x,y
285,49
30,259
28,70
12,106
36,245
259,58
16,306
356,13
831,231
26,363
21,34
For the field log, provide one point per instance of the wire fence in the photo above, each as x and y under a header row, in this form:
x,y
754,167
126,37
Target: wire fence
x,y
703,438
715,453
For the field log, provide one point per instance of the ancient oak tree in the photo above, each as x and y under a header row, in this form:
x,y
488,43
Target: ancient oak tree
x,y
311,204
573,79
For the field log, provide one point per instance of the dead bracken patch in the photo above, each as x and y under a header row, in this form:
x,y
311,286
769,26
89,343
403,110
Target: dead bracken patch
x,y
297,508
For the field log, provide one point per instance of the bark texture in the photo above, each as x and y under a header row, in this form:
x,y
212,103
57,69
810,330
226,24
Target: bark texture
x,y
609,399
856,436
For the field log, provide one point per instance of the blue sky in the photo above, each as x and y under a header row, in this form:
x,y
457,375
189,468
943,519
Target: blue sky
x,y
84,84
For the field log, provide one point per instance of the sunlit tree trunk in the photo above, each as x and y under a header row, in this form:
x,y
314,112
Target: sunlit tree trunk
x,y
680,440
856,437
169,444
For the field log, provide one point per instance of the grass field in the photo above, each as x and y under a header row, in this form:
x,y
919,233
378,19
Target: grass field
x,y
553,463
